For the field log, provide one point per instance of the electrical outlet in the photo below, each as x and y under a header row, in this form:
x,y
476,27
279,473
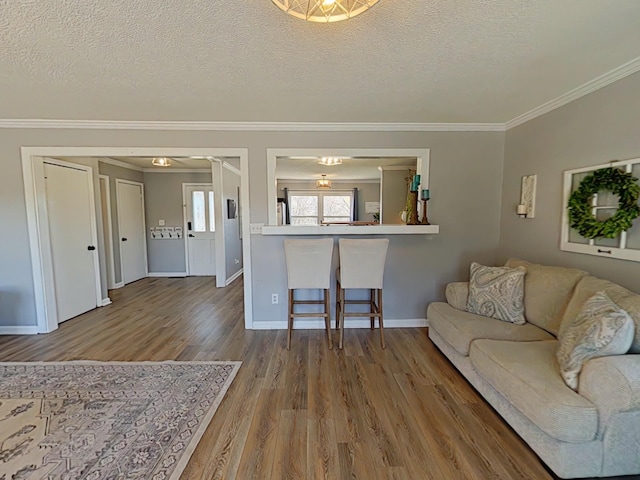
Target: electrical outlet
x,y
274,298
256,228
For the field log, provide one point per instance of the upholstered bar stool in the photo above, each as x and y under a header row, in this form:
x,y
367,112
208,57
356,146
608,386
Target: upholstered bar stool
x,y
309,267
361,267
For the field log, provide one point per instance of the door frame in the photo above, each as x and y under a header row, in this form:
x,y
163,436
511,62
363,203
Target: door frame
x,y
50,304
109,236
120,181
186,185
29,156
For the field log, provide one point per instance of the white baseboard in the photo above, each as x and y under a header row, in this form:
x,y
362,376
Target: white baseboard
x,y
105,302
234,276
29,330
310,324
167,274
118,285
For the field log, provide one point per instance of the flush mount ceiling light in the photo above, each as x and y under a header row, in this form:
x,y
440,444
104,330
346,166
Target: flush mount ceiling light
x,y
323,182
330,161
324,11
161,162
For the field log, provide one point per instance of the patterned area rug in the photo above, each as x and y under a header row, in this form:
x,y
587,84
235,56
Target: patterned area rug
x,y
106,420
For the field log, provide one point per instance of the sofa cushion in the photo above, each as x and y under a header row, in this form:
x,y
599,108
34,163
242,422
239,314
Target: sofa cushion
x,y
526,375
547,292
497,292
625,299
601,329
460,328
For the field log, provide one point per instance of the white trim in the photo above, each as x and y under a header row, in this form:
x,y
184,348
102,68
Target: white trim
x,y
118,285
101,152
109,234
29,330
119,163
176,170
421,155
233,277
186,185
249,126
307,324
220,213
591,86
388,229
104,302
231,168
167,274
120,181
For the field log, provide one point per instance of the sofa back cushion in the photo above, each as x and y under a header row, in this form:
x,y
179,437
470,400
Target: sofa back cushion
x,y
625,299
547,292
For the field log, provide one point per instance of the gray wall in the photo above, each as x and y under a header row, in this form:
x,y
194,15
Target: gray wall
x,y
163,200
114,172
465,181
595,129
367,192
232,240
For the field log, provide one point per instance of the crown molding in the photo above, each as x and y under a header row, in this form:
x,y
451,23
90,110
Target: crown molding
x,y
176,170
249,126
118,163
608,78
231,168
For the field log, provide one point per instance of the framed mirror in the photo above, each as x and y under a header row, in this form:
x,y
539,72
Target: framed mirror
x,y
313,187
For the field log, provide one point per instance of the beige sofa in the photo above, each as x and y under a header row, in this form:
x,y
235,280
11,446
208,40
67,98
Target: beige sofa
x,y
592,433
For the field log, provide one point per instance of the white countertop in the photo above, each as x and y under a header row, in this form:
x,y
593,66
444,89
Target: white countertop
x,y
351,230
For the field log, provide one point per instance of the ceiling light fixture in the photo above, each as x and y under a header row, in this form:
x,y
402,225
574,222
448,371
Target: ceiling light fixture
x,y
323,182
161,162
324,11
330,161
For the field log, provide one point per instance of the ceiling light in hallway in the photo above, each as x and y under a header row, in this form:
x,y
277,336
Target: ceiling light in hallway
x,y
161,162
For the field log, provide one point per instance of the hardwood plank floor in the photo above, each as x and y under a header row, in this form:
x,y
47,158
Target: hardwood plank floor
x,y
311,412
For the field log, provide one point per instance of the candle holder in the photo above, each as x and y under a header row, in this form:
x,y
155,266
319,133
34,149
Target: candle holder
x,y
412,217
425,220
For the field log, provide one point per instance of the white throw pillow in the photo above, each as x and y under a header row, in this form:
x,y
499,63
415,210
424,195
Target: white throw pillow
x,y
600,329
497,292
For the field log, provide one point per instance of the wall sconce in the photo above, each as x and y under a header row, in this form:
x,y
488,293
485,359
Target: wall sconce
x,y
527,206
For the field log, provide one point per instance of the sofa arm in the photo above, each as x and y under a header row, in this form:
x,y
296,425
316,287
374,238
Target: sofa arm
x,y
456,294
613,385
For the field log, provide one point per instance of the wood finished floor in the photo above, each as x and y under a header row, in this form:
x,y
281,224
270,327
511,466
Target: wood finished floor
x,y
307,413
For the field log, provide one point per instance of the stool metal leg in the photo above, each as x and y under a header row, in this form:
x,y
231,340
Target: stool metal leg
x,y
327,318
372,308
381,318
290,322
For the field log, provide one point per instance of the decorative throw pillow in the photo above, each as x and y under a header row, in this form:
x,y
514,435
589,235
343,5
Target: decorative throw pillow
x,y
599,330
497,292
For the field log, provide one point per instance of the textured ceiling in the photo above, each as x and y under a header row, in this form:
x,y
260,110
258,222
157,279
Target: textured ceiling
x,y
245,60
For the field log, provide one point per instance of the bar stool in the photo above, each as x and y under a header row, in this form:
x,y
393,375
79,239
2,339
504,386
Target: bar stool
x,y
309,267
361,266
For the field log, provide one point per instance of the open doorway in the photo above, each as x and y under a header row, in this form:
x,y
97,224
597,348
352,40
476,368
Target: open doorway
x,y
147,209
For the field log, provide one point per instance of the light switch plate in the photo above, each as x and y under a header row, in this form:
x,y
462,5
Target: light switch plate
x,y
256,228
161,223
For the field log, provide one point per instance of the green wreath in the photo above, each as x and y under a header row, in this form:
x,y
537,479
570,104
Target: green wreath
x,y
580,208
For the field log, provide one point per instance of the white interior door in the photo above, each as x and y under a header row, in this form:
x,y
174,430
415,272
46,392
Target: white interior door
x,y
131,225
200,219
72,235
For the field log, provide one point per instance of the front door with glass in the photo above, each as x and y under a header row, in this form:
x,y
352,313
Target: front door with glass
x,y
200,239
